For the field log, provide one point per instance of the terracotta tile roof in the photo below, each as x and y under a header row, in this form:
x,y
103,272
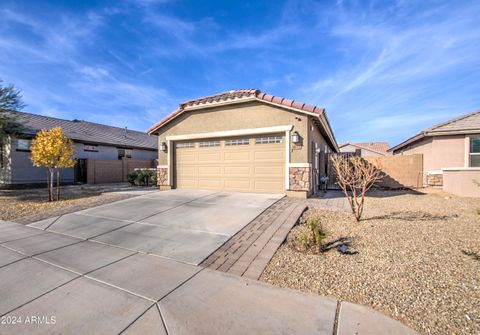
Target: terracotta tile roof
x,y
379,147
466,123
238,95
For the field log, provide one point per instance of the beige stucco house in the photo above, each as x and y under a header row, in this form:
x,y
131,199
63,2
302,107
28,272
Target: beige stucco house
x,y
244,140
451,154
365,149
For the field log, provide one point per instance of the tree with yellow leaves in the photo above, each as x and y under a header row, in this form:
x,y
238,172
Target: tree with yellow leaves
x,y
52,149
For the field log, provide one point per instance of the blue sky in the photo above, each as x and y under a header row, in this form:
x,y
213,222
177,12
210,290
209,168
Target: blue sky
x,y
383,70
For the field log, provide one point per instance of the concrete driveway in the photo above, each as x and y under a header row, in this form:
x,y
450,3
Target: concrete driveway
x,y
63,278
183,225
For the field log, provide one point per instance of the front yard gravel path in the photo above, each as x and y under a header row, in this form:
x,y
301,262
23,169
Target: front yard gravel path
x,y
417,261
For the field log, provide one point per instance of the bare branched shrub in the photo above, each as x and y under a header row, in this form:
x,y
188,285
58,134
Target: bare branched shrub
x,y
355,176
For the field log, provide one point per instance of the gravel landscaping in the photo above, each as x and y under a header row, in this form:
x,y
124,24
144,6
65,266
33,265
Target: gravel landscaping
x,y
418,260
30,205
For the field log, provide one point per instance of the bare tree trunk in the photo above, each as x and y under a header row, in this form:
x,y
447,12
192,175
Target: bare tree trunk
x,y
357,206
58,184
357,176
48,185
51,185
349,198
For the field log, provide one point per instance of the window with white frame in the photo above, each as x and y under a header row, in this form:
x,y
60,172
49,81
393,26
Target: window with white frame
x,y
206,144
474,151
237,141
185,145
23,144
124,153
268,140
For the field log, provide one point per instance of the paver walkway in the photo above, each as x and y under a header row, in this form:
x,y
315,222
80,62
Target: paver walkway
x,y
248,252
52,283
332,200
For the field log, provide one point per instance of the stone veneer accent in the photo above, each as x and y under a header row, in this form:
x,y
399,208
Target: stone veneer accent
x,y
299,179
162,176
435,179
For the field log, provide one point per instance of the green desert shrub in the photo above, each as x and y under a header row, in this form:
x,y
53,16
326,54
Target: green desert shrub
x,y
304,239
131,177
142,177
317,232
312,234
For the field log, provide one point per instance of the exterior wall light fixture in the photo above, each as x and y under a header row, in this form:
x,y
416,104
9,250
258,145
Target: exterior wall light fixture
x,y
163,146
295,137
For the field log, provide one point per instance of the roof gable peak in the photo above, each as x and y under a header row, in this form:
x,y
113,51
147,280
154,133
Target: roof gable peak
x,y
234,96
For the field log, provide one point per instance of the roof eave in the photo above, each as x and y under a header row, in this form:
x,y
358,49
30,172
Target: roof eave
x,y
31,133
183,109
453,132
343,145
365,148
421,135
322,117
407,142
329,131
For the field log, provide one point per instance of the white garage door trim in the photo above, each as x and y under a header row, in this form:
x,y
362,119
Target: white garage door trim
x,y
239,132
226,133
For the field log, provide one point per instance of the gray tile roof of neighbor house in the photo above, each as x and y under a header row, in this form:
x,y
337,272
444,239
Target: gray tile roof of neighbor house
x,y
470,121
464,124
88,132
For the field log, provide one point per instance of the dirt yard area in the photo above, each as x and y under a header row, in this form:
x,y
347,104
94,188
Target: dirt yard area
x,y
30,205
418,261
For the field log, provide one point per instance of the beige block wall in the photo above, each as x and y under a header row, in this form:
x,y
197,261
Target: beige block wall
x,y
368,153
461,182
113,171
440,152
133,164
108,171
400,171
246,115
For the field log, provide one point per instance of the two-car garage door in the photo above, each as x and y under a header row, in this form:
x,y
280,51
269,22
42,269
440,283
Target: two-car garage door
x,y
245,164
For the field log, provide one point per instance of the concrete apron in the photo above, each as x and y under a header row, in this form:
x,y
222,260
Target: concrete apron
x,y
51,283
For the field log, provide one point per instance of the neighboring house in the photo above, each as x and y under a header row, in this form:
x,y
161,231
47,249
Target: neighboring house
x,y
451,154
244,140
93,141
365,149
